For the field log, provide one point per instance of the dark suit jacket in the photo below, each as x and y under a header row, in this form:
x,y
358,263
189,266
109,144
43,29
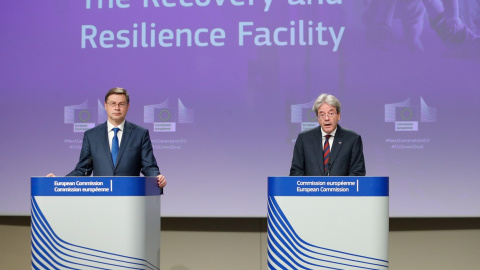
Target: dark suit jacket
x,y
346,157
134,156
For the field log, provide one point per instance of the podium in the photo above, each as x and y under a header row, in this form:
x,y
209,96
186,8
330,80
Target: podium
x,y
328,222
95,223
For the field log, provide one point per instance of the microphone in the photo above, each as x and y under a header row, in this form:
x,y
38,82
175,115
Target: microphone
x,y
88,165
328,167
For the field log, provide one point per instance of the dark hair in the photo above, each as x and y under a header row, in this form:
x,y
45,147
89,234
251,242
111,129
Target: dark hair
x,y
117,91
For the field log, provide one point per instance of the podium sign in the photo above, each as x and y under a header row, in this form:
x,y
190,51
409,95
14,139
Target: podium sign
x,y
328,222
95,223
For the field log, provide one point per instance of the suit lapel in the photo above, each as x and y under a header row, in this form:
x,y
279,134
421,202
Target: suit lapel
x,y
317,145
125,137
337,144
106,144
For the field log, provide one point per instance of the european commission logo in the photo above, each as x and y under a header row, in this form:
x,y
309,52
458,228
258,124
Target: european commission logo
x,y
165,116
84,117
304,115
407,116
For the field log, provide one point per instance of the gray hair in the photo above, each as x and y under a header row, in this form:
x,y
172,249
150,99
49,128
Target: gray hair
x,y
329,99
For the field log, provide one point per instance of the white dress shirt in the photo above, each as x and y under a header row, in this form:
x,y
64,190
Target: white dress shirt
x,y
111,133
330,140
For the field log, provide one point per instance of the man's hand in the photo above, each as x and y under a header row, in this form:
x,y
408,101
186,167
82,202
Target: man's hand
x,y
162,182
50,175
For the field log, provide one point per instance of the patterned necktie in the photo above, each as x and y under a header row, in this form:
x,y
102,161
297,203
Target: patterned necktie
x,y
326,153
115,146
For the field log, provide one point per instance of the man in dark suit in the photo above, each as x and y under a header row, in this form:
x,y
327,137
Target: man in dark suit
x,y
328,149
117,147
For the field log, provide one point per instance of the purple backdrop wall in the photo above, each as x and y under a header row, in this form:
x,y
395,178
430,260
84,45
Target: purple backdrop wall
x,y
224,110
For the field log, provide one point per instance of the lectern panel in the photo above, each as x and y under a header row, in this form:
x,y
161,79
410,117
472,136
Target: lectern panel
x,y
95,223
328,223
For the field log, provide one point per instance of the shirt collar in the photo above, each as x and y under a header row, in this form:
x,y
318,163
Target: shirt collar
x,y
331,134
111,126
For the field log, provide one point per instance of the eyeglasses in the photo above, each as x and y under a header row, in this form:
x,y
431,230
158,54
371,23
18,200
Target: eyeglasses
x,y
329,114
114,104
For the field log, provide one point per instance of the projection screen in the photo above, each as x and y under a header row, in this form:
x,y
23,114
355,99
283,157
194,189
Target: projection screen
x,y
225,86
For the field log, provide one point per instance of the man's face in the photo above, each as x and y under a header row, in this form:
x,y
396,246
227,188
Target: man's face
x,y
328,117
117,108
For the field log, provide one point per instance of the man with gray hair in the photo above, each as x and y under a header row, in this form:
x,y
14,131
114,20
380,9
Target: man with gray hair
x,y
328,149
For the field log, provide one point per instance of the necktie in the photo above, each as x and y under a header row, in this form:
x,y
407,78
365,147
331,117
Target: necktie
x,y
115,146
326,153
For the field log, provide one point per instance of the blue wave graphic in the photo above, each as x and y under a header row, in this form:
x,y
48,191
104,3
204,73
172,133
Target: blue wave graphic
x,y
51,252
286,250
